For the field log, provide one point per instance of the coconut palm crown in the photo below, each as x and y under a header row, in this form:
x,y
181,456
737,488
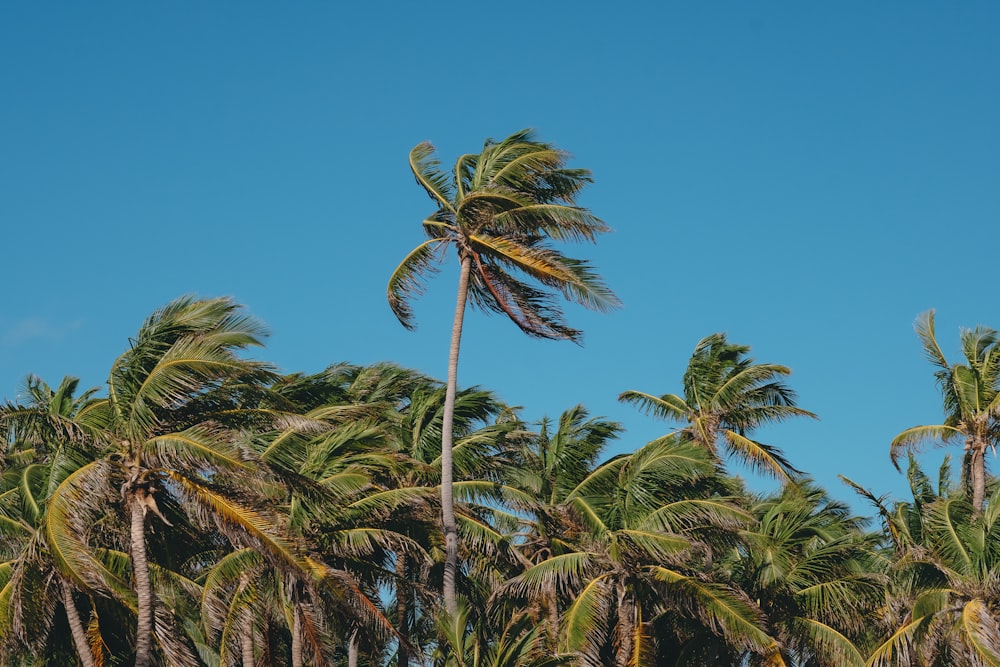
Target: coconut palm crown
x,y
726,397
498,209
971,393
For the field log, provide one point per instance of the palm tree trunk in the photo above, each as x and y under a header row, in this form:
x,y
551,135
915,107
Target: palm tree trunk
x,y
246,633
296,635
76,627
143,589
447,474
626,629
977,470
246,642
402,611
352,650
552,601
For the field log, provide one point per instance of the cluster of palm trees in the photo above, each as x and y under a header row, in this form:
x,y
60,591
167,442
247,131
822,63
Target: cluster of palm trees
x,y
208,510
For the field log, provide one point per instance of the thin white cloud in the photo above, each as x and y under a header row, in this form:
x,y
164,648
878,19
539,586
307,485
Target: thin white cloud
x,y
35,328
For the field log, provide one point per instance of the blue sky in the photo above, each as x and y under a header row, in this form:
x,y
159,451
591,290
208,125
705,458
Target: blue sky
x,y
807,177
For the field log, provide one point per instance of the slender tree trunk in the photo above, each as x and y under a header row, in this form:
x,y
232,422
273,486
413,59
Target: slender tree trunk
x,y
76,626
143,588
552,602
352,650
246,642
447,473
246,633
402,611
626,629
296,635
977,471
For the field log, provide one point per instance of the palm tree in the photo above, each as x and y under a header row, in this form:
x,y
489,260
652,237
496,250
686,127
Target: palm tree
x,y
498,209
971,393
945,594
163,435
43,433
549,466
638,534
410,417
515,644
727,397
813,572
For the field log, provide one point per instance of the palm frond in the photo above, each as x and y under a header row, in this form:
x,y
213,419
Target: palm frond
x,y
585,622
759,456
720,608
668,406
912,438
426,169
406,281
980,628
834,647
924,326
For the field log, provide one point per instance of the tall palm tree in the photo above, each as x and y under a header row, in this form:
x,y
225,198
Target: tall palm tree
x,y
499,209
971,393
726,397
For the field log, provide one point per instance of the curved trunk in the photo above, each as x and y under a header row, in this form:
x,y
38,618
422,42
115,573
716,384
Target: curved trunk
x,y
76,627
447,475
143,589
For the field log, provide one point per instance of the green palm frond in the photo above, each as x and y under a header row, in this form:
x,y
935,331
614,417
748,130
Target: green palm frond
x,y
668,406
239,523
759,456
737,384
690,513
655,545
549,267
386,501
979,626
831,646
585,622
720,608
72,507
406,281
912,438
944,520
426,169
966,385
925,331
564,571
558,222
899,648
200,446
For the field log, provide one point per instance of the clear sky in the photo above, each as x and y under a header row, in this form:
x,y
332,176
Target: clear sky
x,y
807,177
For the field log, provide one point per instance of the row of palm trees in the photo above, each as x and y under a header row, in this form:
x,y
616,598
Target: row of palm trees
x,y
208,510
